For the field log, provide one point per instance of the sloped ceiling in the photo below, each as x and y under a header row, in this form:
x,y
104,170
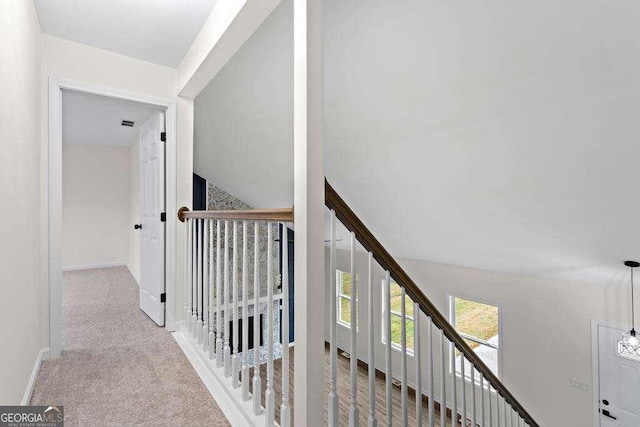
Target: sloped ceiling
x,y
497,135
158,31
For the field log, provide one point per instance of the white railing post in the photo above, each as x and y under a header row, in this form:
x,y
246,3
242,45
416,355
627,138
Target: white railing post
x,y
454,392
430,380
464,389
199,285
194,278
218,296
235,362
285,409
212,336
270,399
333,349
473,395
418,360
257,331
245,314
188,278
354,418
225,291
205,285
403,359
443,378
371,321
388,366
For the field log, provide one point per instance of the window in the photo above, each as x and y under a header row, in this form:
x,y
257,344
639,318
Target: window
x,y
343,289
396,317
478,323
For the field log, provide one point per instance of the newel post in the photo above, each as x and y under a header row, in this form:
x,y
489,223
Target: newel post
x,y
308,214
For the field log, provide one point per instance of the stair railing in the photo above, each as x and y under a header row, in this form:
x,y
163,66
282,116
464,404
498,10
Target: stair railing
x,y
484,402
230,284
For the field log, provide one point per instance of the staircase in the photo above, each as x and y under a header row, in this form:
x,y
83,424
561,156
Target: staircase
x,y
237,327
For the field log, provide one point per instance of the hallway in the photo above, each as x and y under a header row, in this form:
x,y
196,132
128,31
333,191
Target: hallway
x,y
118,367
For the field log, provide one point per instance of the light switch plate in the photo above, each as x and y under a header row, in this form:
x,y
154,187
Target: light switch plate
x,y
577,384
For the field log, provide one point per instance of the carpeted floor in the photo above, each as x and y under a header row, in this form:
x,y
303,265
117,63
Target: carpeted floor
x,y
118,367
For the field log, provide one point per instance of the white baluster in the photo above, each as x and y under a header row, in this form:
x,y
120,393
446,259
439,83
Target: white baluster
x,y
498,412
473,395
257,382
194,278
205,286
403,358
199,327
354,418
454,392
482,409
212,336
333,349
464,389
417,359
285,408
371,321
490,405
188,278
443,375
388,366
235,362
270,400
219,359
430,381
245,313
227,311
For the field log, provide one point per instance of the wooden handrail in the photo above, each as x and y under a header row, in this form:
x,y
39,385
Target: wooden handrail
x,y
350,220
273,215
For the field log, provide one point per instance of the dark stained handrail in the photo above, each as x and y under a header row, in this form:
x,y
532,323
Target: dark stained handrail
x,y
351,221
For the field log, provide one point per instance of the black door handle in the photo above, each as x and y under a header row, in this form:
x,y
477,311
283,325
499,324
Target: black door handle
x,y
137,226
606,413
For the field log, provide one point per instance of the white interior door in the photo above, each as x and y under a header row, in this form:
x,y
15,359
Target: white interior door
x,y
619,379
152,206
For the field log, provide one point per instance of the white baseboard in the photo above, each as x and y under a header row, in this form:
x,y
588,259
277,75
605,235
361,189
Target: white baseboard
x,y
43,354
92,266
134,273
237,411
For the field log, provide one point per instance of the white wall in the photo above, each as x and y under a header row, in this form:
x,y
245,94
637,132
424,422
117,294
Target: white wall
x,y
20,189
78,62
133,262
96,205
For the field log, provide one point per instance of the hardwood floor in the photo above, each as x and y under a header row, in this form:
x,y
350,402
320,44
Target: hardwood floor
x,y
344,393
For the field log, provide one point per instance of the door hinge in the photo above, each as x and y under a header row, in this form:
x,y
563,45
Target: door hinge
x,y
163,217
163,136
163,297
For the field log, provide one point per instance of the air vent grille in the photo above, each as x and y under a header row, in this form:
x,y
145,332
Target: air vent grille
x,y
127,123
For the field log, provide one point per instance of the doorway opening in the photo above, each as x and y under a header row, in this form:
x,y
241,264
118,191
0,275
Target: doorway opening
x,y
111,182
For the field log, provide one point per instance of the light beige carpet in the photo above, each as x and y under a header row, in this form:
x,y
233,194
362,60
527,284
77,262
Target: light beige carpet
x,y
118,367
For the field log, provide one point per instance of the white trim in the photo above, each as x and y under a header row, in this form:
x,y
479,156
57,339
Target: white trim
x,y
92,266
134,274
54,215
238,411
43,354
500,325
595,363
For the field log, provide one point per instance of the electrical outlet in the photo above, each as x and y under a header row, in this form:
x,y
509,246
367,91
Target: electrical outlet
x,y
579,385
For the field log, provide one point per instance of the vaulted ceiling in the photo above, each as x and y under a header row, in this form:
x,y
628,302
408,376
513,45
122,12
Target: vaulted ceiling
x,y
498,135
158,31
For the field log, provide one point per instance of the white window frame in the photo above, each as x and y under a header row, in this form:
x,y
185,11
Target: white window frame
x,y
340,296
452,319
383,335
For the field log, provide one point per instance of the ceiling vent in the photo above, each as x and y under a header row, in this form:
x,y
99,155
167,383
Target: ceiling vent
x,y
127,123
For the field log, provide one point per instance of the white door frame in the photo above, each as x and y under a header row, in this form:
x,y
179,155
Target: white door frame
x,y
595,362
54,215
